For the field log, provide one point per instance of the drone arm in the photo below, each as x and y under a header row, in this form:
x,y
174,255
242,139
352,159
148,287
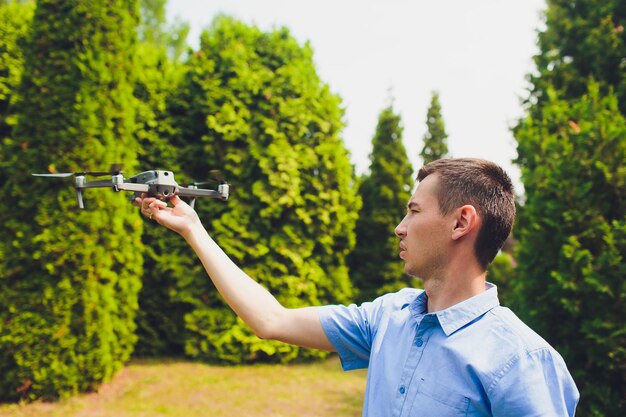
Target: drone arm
x,y
129,186
197,192
94,184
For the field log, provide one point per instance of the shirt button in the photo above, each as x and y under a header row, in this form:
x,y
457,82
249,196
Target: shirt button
x,y
419,342
402,390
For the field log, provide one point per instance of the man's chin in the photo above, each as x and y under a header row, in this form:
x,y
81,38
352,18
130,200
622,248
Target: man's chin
x,y
410,272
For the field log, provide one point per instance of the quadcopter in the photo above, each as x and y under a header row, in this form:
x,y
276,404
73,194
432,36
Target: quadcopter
x,y
155,183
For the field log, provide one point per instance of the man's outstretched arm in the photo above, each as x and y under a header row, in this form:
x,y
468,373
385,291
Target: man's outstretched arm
x,y
254,304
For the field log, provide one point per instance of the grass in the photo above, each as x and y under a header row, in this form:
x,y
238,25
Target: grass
x,y
169,388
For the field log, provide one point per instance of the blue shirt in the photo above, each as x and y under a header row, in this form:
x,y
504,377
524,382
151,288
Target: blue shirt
x,y
475,358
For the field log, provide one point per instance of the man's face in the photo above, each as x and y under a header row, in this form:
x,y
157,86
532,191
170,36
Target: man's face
x,y
424,232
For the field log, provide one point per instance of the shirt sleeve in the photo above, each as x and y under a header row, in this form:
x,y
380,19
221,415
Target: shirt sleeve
x,y
535,383
351,330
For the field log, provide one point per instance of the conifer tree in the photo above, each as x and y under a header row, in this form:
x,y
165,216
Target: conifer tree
x,y
15,22
252,106
435,144
583,39
374,264
570,228
160,325
572,241
154,29
69,278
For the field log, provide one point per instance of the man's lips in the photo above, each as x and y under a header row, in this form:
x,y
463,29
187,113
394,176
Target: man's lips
x,y
402,250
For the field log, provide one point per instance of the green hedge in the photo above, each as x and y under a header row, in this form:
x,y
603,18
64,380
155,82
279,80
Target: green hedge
x,y
252,106
68,278
569,282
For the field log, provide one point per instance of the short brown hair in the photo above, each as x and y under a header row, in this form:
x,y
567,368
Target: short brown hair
x,y
484,185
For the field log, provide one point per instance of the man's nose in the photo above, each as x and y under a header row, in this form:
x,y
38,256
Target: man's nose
x,y
400,229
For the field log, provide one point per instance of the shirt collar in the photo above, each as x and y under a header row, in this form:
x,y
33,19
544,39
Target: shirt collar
x,y
453,318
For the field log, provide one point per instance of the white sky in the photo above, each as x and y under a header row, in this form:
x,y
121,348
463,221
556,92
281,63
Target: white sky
x,y
476,54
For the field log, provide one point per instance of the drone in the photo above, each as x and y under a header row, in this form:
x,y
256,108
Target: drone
x,y
155,183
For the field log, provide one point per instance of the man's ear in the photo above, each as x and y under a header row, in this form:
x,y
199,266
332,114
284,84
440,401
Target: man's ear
x,y
467,220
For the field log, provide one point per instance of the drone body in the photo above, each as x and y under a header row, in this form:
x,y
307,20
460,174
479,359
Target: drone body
x,y
155,183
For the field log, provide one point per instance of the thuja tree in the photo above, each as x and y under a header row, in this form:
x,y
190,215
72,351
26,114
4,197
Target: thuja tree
x,y
69,278
253,107
15,21
575,236
374,264
572,241
435,140
583,39
154,29
160,325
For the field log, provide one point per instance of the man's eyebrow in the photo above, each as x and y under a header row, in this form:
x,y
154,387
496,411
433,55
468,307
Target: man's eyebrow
x,y
412,205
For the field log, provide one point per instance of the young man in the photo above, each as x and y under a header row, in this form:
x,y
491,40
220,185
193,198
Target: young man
x,y
449,350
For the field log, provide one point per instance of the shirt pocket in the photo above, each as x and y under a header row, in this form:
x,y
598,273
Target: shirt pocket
x,y
433,399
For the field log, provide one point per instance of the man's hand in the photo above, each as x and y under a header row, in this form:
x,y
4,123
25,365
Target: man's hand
x,y
180,218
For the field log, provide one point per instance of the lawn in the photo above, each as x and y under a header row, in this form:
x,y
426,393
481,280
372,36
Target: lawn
x,y
169,388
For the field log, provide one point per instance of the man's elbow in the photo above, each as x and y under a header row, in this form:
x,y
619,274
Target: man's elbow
x,y
263,332
269,327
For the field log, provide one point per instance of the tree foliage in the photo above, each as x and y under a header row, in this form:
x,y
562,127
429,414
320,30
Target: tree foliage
x,y
15,19
69,278
252,106
571,152
501,272
385,190
160,325
583,39
154,30
572,240
435,143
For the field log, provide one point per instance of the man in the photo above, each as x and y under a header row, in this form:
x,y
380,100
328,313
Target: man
x,y
449,350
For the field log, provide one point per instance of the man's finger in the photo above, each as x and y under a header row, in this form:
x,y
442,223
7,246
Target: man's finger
x,y
157,204
175,200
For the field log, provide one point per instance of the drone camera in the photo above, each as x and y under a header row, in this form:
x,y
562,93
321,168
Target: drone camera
x,y
165,190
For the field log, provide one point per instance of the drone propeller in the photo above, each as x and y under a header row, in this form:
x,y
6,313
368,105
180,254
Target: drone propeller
x,y
60,175
80,183
218,178
217,174
115,170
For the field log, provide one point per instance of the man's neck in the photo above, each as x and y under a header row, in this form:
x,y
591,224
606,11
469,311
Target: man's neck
x,y
444,292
